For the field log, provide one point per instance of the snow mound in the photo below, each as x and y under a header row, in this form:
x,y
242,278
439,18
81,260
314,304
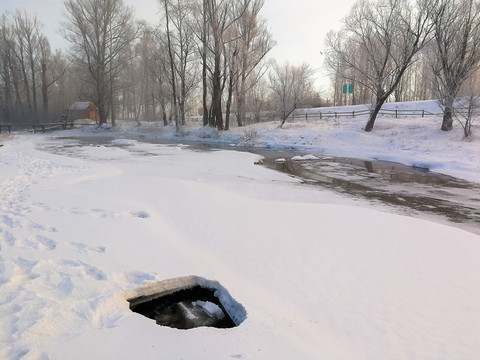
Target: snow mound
x,y
124,142
304,158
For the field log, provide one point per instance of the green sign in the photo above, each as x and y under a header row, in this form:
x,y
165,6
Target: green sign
x,y
348,88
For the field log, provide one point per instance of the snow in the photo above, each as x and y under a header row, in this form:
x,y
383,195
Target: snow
x,y
84,226
211,309
304,157
124,142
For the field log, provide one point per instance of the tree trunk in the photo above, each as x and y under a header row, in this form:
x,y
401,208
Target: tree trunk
x,y
172,68
228,106
204,66
287,114
26,86
7,96
447,123
217,91
240,110
181,106
241,103
101,100
112,105
164,112
373,115
448,100
44,91
154,113
34,85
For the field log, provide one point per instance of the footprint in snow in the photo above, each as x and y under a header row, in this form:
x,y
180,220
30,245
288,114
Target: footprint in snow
x,y
24,267
77,267
8,238
83,248
94,272
65,286
8,221
39,227
140,214
46,243
38,242
100,213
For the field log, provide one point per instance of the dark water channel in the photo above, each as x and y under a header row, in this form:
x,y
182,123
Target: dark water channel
x,y
410,190
413,191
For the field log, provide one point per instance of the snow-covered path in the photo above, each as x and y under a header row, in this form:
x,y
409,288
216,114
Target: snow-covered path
x,y
320,276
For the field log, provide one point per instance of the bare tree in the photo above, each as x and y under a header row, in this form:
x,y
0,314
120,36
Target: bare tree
x,y
27,52
390,33
457,36
203,35
220,16
100,32
290,86
255,43
145,81
257,100
152,52
59,91
7,103
181,52
468,106
173,75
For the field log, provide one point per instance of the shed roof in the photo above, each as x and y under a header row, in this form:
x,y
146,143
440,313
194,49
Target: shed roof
x,y
81,105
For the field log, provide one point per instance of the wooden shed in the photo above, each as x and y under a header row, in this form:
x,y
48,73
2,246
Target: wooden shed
x,y
83,110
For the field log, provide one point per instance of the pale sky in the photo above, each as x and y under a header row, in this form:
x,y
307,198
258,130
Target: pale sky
x,y
299,27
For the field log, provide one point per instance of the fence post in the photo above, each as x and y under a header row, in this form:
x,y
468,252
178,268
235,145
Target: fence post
x,y
423,112
335,114
396,114
320,115
306,116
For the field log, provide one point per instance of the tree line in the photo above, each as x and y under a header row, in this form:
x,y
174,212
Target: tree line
x,y
209,58
204,57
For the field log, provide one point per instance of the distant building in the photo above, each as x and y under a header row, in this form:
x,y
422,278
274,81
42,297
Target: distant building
x,y
83,110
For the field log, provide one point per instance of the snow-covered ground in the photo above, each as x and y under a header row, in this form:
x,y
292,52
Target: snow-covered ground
x,y
321,276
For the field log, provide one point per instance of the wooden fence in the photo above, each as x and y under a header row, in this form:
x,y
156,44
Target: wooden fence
x,y
42,127
339,114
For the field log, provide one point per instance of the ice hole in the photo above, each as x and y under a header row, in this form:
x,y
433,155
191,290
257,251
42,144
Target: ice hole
x,y
188,302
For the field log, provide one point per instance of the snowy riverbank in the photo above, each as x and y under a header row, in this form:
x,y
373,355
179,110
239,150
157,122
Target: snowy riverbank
x,y
416,141
83,227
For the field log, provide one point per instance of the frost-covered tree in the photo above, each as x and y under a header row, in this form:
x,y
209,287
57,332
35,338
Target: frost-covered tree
x,y
255,41
290,86
181,49
457,55
389,33
25,71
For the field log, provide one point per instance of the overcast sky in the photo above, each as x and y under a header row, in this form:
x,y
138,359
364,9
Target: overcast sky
x,y
299,27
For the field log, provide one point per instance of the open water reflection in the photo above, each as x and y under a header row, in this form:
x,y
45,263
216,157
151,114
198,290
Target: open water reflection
x,y
414,191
